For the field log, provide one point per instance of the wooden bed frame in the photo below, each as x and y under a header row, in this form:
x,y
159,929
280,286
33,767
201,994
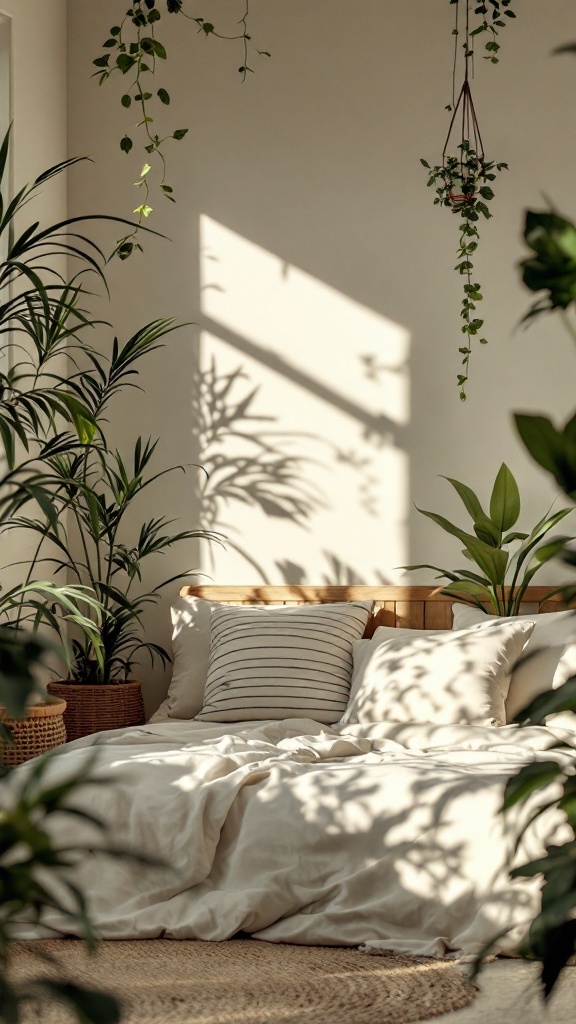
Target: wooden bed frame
x,y
410,607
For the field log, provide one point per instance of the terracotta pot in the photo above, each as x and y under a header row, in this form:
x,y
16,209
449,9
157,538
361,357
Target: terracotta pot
x,y
41,730
93,708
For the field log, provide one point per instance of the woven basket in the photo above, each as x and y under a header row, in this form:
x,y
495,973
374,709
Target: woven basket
x,y
93,708
41,730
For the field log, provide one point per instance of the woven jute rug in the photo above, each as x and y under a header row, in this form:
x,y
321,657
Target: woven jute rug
x,y
245,981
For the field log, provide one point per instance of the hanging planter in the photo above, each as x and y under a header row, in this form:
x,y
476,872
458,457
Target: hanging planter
x,y
463,181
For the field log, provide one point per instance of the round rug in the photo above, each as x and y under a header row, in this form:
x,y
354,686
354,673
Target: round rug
x,y
245,981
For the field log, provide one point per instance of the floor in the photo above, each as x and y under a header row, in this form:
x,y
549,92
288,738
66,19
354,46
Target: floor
x,y
509,994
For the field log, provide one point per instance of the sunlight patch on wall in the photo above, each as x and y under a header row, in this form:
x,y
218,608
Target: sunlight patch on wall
x,y
304,396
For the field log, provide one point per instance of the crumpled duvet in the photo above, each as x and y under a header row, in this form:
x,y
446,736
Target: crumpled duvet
x,y
384,836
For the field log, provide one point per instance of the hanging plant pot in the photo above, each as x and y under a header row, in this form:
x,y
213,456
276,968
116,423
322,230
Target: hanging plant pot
x,y
92,708
463,181
39,731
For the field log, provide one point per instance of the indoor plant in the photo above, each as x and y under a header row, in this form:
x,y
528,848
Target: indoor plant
x,y
463,181
81,487
30,405
504,574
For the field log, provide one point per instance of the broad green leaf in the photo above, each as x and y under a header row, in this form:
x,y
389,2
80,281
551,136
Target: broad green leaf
x,y
487,531
505,500
492,561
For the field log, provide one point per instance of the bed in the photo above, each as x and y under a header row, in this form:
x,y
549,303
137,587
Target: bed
x,y
383,834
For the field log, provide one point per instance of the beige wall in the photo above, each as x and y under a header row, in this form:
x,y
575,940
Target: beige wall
x,y
306,246
39,94
39,138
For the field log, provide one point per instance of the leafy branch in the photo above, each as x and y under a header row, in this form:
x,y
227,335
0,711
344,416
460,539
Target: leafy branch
x,y
134,50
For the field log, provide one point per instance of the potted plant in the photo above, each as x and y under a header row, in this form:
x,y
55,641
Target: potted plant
x,y
504,573
80,486
98,489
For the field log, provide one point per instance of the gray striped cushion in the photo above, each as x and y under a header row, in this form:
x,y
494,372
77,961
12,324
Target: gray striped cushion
x,y
292,662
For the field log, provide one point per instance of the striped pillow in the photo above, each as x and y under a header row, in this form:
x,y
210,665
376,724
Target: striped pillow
x,y
292,662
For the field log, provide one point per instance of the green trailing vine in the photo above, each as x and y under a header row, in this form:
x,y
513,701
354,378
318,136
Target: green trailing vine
x,y
134,50
463,180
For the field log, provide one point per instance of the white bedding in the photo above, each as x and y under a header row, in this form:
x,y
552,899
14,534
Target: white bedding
x,y
291,831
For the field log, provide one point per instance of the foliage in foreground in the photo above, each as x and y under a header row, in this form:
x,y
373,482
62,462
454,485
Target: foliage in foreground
x,y
28,858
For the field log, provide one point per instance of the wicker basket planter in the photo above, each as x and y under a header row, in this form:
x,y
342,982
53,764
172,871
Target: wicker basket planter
x,y
93,708
41,730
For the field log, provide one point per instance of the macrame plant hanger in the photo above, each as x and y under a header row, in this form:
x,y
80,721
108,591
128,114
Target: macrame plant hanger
x,y
464,114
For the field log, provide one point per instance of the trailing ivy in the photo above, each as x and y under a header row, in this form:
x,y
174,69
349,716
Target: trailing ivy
x,y
463,181
134,50
463,184
492,15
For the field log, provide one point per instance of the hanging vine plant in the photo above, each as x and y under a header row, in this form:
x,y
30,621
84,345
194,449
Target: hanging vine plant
x,y
134,50
463,180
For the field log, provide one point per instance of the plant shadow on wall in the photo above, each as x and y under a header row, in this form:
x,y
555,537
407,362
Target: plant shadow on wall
x,y
248,460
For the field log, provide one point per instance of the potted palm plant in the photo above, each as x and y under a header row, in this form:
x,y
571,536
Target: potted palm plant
x,y
79,488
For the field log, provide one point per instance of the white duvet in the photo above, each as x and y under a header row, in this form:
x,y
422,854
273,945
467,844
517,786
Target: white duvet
x,y
387,836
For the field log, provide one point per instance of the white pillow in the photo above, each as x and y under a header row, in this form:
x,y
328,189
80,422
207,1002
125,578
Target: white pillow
x,y
553,632
291,662
190,653
191,618
362,649
450,678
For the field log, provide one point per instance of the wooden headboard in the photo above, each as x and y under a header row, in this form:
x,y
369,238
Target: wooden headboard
x,y
410,607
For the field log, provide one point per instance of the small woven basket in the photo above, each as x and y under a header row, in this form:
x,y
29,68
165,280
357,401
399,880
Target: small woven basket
x,y
93,708
41,730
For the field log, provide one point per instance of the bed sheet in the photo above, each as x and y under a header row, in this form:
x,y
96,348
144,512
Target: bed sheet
x,y
387,836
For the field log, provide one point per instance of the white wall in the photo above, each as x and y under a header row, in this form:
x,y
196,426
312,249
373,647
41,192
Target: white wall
x,y
305,244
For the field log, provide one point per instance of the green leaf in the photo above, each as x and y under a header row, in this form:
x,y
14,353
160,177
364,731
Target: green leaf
x,y
552,449
487,531
126,100
476,590
180,133
163,96
126,144
505,500
530,778
551,702
125,62
471,502
153,47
